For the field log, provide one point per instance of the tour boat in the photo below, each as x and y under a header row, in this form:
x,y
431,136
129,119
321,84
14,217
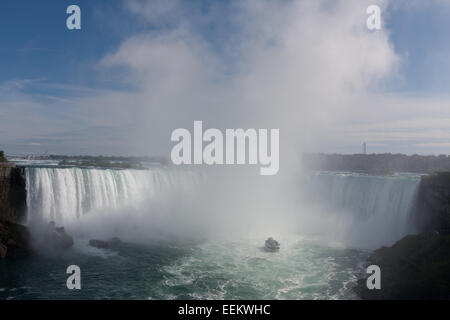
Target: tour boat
x,y
272,245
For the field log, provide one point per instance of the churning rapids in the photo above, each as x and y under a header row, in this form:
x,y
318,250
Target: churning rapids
x,y
341,217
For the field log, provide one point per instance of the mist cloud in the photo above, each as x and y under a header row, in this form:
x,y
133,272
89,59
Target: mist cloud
x,y
310,68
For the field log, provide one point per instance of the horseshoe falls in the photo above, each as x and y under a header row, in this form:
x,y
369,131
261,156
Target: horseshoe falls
x,y
340,219
64,195
358,210
367,210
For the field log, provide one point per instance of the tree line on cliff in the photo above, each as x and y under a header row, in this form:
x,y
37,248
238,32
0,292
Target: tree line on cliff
x,y
2,157
376,163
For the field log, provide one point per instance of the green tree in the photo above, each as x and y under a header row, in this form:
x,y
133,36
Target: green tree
x,y
2,157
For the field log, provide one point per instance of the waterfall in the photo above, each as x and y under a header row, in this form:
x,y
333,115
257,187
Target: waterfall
x,y
65,194
373,208
362,209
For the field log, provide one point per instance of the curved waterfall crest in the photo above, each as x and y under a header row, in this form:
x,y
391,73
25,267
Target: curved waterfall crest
x,y
370,207
353,207
64,194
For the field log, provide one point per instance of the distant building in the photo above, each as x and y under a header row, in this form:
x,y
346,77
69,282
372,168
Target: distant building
x,y
364,148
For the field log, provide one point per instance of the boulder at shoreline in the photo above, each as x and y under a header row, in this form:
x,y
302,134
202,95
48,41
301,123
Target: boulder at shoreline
x,y
14,240
416,267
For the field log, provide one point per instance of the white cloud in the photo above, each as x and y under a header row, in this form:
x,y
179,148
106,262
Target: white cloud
x,y
297,65
310,68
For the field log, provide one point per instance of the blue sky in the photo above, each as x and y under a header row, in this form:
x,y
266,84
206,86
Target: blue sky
x,y
47,71
37,45
420,33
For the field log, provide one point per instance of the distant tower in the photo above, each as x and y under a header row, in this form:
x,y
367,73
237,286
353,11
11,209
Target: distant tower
x,y
364,148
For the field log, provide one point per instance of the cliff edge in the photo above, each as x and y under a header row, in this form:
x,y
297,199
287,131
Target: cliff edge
x,y
417,266
13,195
432,208
14,237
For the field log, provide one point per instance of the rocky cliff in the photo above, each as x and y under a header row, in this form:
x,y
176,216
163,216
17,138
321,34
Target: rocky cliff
x,y
14,237
432,208
12,193
418,266
14,240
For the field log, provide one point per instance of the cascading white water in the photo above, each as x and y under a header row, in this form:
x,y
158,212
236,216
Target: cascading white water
x,y
374,209
65,194
364,210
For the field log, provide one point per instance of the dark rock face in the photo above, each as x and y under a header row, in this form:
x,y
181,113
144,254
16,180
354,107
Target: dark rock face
x,y
416,267
432,208
14,240
14,237
13,195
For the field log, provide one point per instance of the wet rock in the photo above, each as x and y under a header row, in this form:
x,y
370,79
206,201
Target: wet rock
x,y
57,238
98,244
14,240
108,244
432,208
416,267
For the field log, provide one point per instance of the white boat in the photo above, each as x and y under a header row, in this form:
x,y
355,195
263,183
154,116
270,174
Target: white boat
x,y
272,245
